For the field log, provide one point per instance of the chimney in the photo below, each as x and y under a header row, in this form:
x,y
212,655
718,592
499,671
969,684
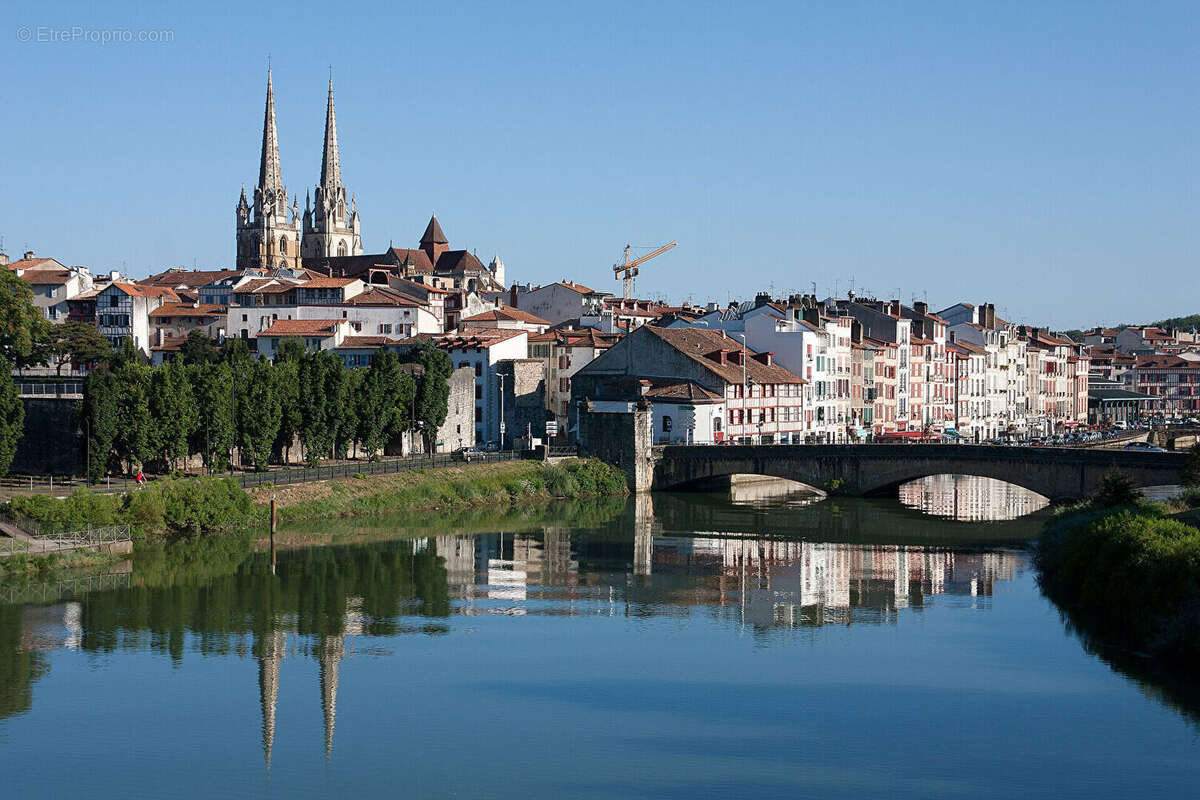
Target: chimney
x,y
761,299
812,315
921,307
991,315
28,255
3,259
513,294
856,331
893,309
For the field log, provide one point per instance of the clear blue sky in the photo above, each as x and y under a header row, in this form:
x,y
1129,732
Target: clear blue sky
x,y
1043,157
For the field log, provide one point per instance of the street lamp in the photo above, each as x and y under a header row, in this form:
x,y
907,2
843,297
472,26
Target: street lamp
x,y
745,386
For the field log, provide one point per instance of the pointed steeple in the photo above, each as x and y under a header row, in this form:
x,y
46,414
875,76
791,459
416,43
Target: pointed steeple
x,y
271,651
433,233
270,176
331,167
333,648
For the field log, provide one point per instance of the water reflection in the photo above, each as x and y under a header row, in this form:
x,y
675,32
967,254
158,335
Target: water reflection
x,y
970,498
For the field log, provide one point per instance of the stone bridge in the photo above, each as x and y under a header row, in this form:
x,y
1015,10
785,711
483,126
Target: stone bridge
x,y
866,469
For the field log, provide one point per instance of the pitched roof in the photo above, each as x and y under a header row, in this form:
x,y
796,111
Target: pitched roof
x,y
453,261
324,282
585,337
477,337
35,263
1164,361
195,278
359,342
698,344
41,277
301,327
373,295
433,233
415,260
506,314
188,310
136,290
681,391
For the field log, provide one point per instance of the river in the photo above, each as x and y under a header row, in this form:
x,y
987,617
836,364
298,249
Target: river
x,y
687,646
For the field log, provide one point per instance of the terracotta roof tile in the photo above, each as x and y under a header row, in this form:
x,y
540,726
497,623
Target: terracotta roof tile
x,y
301,327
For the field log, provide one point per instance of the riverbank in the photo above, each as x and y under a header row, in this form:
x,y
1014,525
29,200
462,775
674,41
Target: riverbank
x,y
204,505
1127,575
460,487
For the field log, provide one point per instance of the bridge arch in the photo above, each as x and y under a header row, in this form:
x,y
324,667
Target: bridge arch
x,y
1054,473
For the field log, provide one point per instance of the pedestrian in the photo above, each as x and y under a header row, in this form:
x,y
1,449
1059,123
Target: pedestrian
x,y
141,479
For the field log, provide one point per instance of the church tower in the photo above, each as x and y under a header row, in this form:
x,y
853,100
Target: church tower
x,y
265,236
330,227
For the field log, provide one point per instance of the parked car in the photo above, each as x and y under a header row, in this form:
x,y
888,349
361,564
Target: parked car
x,y
1144,447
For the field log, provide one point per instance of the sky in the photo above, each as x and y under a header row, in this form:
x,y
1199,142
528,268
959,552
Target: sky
x,y
1041,156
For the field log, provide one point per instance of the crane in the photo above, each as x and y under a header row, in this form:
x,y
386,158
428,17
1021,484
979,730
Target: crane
x,y
627,270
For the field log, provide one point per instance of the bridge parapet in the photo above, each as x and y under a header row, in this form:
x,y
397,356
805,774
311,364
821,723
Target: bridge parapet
x,y
862,469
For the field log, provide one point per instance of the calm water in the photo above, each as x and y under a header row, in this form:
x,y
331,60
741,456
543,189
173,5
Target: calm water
x,y
684,646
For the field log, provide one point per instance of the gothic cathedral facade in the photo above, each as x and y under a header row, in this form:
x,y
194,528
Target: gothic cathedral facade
x,y
270,233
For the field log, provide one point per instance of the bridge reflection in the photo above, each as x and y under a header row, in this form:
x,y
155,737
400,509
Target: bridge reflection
x,y
659,556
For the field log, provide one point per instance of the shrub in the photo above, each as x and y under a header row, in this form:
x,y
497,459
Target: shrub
x,y
1116,489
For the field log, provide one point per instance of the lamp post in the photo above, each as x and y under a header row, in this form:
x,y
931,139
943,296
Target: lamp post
x,y
745,387
502,426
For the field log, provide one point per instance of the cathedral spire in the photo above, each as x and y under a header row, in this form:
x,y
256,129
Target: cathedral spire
x,y
270,177
331,169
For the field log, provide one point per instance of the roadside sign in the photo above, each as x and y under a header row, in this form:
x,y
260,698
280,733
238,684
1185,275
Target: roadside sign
x,y
552,427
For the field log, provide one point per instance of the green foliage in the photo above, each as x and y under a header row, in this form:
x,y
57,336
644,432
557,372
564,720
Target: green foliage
x,y
12,417
1127,573
290,351
323,389
174,412
287,383
212,437
383,402
1191,470
197,505
135,435
433,389
197,349
100,420
25,334
258,413
1116,490
79,343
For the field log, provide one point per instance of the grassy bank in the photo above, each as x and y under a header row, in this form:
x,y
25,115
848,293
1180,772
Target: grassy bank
x,y
1127,573
203,505
459,488
21,568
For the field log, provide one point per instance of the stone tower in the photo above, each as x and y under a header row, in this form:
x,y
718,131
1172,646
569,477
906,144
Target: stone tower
x,y
330,226
433,241
265,235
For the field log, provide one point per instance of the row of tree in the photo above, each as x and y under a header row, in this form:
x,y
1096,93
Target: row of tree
x,y
209,402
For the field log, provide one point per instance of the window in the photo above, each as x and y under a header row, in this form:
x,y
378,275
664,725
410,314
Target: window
x,y
478,392
341,249
478,370
112,301
666,424
478,414
283,245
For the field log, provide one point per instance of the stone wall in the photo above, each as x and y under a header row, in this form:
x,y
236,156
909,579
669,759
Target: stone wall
x,y
622,439
459,428
524,398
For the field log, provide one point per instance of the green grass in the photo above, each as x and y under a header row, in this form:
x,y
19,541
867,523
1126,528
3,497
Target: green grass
x,y
1128,575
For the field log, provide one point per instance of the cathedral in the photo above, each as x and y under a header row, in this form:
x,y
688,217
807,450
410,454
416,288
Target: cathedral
x,y
272,234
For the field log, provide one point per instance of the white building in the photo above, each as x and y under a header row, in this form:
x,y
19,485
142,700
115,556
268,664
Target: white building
x,y
481,350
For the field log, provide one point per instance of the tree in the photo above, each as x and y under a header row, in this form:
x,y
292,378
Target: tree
x,y
258,413
287,381
1190,477
347,434
322,397
235,352
1116,489
433,389
135,434
173,410
100,420
12,417
290,351
197,348
212,438
24,333
79,343
377,402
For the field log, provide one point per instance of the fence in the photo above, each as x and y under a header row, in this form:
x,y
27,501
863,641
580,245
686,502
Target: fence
x,y
41,538
286,476
63,589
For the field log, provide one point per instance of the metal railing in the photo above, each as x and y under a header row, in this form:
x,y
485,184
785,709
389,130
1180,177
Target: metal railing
x,y
44,539
290,475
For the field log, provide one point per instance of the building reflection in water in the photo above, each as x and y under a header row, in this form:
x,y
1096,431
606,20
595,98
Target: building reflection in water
x,y
323,601
970,498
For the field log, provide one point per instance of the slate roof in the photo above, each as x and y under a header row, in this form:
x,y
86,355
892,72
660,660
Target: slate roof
x,y
697,344
433,233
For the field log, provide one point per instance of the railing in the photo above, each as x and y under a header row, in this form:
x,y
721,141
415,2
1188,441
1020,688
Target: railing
x,y
62,589
52,539
562,451
383,466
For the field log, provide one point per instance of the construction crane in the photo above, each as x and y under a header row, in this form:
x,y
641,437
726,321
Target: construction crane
x,y
627,270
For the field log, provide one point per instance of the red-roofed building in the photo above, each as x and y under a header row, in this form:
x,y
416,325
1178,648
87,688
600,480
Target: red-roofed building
x,y
123,312
1172,380
506,317
314,334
